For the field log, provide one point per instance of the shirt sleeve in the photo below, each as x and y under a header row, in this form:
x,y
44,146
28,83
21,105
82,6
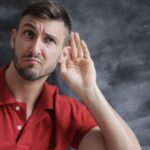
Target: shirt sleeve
x,y
73,120
83,122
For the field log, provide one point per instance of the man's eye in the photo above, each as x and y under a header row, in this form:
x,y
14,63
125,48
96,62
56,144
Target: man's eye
x,y
29,34
49,40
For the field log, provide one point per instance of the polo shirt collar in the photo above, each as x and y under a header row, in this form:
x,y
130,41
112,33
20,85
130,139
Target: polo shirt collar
x,y
45,100
5,96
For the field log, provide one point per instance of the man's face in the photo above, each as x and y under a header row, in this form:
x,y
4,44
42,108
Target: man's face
x,y
37,46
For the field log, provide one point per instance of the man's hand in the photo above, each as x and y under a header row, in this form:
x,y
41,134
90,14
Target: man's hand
x,y
77,69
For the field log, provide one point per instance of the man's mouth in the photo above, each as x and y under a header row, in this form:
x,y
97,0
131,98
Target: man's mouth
x,y
33,60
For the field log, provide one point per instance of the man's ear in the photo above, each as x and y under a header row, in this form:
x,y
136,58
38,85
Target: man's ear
x,y
12,38
65,54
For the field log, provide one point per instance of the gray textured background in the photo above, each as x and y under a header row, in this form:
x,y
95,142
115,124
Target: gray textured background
x,y
118,36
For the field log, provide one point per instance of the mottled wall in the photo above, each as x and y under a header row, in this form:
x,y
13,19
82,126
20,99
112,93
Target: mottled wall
x,y
118,36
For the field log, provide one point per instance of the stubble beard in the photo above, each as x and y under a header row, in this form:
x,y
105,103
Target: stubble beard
x,y
28,72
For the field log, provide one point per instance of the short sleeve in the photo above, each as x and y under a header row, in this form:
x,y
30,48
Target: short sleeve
x,y
73,121
83,122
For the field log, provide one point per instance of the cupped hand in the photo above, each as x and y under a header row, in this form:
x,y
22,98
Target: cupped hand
x,y
77,68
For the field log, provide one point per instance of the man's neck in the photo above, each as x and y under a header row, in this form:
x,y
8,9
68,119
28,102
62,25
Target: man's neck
x,y
23,90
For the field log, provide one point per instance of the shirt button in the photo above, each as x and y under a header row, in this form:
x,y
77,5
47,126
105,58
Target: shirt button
x,y
19,127
17,108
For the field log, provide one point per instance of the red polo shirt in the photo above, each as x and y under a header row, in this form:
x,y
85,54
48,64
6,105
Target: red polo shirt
x,y
56,123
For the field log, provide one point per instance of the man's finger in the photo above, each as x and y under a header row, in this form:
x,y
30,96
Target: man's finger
x,y
78,45
73,47
85,49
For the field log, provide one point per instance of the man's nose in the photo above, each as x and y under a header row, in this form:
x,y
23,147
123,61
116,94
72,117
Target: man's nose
x,y
36,47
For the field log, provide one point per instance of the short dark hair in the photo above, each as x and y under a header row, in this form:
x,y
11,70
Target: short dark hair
x,y
48,9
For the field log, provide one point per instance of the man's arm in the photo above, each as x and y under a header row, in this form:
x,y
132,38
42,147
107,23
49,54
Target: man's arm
x,y
78,71
114,132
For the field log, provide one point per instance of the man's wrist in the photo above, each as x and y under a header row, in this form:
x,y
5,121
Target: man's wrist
x,y
91,93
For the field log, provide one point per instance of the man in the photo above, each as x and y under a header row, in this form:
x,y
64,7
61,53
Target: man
x,y
34,116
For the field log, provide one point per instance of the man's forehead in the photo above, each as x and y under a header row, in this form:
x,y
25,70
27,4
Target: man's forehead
x,y
55,28
35,20
46,24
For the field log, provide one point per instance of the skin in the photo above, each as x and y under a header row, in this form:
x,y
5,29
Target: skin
x,y
32,44
37,59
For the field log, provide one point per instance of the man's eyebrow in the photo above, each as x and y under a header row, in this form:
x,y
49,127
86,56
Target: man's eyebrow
x,y
47,34
51,36
29,25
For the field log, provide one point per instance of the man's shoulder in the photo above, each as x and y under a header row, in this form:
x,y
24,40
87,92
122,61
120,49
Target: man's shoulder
x,y
2,70
61,98
2,74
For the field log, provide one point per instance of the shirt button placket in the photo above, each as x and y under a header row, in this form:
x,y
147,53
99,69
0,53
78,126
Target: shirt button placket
x,y
19,127
17,108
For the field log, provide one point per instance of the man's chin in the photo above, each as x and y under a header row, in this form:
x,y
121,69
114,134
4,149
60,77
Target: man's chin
x,y
28,74
31,74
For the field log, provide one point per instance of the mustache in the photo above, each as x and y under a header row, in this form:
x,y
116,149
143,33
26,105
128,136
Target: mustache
x,y
32,57
28,57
